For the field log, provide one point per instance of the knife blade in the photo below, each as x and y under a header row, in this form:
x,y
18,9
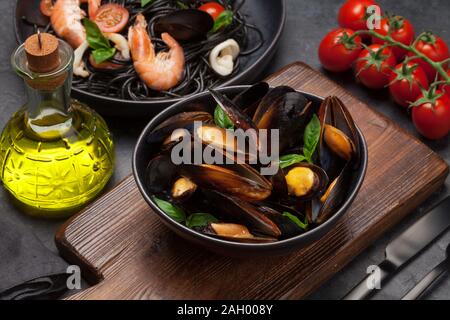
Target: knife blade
x,y
406,246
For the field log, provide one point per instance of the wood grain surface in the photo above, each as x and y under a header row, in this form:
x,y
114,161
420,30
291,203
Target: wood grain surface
x,y
126,252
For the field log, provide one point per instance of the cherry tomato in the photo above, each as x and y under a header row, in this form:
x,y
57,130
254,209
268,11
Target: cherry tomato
x,y
111,17
337,52
434,48
46,7
432,117
406,82
445,87
373,67
400,29
353,14
213,9
106,65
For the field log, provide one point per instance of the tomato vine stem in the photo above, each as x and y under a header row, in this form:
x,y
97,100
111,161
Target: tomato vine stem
x,y
438,66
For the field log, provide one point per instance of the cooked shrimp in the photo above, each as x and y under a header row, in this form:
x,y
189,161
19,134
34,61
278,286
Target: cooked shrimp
x,y
66,21
161,71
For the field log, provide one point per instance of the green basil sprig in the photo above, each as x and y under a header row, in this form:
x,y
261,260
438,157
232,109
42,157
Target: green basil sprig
x,y
223,20
176,213
303,225
221,119
310,141
311,138
102,49
200,220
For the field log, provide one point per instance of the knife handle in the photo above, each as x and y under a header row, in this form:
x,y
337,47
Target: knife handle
x,y
428,281
363,291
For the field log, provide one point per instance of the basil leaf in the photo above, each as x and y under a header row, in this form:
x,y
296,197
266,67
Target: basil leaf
x,y
296,220
94,36
221,119
311,138
223,20
103,54
176,213
146,2
200,220
290,159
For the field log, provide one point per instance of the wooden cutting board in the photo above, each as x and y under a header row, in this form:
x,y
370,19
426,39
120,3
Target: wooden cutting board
x,y
127,253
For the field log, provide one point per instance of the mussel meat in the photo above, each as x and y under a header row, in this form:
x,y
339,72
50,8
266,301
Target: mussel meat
x,y
234,232
183,188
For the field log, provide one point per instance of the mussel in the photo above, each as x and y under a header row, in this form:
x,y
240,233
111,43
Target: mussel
x,y
166,132
305,181
234,232
339,153
183,188
249,99
285,110
232,209
185,25
240,180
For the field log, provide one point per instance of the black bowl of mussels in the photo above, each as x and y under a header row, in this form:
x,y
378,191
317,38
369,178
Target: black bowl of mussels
x,y
248,170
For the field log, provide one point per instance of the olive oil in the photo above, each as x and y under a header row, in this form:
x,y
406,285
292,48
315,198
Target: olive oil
x,y
56,154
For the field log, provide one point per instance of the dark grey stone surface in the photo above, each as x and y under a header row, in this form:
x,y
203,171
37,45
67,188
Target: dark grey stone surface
x,y
308,21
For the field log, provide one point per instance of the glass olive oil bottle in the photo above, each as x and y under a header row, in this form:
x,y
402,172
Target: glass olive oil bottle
x,y
56,154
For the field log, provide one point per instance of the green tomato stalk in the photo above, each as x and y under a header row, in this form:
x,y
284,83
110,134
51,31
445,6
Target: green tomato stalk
x,y
438,66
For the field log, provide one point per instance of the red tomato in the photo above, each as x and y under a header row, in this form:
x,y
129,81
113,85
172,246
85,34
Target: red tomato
x,y
106,65
434,48
111,17
432,117
373,67
400,29
406,82
353,14
446,87
46,7
337,52
213,8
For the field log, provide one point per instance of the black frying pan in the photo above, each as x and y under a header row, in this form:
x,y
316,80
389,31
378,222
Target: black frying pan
x,y
268,15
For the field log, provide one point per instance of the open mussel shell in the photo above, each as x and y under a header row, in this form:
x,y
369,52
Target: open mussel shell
x,y
339,150
185,25
234,210
249,99
277,213
236,115
239,180
285,110
185,120
234,232
224,142
339,141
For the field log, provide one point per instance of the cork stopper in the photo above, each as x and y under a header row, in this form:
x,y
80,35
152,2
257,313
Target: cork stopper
x,y
42,52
